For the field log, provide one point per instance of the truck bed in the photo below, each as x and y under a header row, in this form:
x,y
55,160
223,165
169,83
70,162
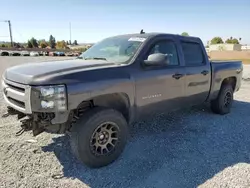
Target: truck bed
x,y
222,69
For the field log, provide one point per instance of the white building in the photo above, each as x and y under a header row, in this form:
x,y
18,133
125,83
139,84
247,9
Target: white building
x,y
245,47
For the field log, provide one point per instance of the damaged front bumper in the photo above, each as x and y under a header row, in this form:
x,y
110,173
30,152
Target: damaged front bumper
x,y
22,102
57,123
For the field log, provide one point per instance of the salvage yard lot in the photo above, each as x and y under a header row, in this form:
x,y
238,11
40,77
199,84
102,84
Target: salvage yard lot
x,y
188,148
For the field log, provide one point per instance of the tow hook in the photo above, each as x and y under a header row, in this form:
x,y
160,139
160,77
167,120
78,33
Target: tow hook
x,y
20,132
25,126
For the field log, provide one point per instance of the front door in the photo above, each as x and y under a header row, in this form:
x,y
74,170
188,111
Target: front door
x,y
160,89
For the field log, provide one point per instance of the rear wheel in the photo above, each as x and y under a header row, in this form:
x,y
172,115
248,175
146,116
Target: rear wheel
x,y
222,105
99,137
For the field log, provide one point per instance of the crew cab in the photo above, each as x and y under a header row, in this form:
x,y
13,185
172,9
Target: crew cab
x,y
119,80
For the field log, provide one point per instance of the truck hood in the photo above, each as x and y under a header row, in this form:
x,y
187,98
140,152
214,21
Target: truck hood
x,y
28,73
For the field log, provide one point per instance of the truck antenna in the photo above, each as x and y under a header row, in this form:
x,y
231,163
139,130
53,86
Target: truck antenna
x,y
142,32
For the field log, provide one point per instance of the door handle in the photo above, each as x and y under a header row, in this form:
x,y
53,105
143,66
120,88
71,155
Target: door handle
x,y
177,76
205,72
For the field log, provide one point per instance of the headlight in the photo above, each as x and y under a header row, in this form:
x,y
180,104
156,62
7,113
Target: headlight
x,y
47,91
53,97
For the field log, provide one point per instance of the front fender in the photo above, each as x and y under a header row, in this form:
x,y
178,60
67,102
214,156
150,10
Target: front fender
x,y
87,91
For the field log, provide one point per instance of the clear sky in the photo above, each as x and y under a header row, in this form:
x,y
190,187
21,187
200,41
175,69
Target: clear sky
x,y
94,20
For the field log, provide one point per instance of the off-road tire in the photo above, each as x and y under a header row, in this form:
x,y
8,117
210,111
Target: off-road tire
x,y
218,105
83,129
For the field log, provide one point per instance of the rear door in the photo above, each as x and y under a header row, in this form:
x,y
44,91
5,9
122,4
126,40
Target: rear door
x,y
198,72
160,89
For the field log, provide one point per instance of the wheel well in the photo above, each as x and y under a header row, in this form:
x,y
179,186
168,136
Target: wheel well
x,y
230,81
117,101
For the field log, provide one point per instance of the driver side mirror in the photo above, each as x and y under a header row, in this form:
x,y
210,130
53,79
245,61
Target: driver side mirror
x,y
157,59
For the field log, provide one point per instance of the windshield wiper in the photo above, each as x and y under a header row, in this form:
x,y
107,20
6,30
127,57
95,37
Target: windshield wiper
x,y
96,58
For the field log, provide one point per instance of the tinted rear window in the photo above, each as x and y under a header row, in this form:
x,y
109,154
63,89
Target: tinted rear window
x,y
193,54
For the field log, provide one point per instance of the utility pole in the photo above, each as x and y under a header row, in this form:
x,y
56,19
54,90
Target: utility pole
x,y
11,39
70,33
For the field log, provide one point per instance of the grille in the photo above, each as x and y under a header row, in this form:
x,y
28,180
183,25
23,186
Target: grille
x,y
22,90
17,96
16,102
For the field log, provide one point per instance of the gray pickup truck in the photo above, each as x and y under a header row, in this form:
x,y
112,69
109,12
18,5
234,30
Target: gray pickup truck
x,y
119,80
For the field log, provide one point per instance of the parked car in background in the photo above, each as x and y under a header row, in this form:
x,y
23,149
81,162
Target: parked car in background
x,y
15,53
45,53
51,54
4,53
60,53
34,54
76,53
40,53
25,53
69,54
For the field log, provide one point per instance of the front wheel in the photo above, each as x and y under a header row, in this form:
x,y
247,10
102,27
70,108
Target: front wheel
x,y
223,103
99,137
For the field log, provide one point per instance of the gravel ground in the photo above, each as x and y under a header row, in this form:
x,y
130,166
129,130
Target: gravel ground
x,y
188,148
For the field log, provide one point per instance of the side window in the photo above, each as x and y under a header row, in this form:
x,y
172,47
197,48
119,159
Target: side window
x,y
193,53
168,48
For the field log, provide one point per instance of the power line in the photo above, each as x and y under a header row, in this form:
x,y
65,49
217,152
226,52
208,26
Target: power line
x,y
16,31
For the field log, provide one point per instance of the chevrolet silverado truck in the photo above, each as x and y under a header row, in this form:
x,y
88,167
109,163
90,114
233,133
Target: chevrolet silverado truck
x,y
118,81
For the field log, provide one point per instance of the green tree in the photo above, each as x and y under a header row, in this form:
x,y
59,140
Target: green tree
x,y
185,34
6,45
34,42
61,44
217,40
43,43
52,41
232,40
29,44
75,42
235,41
67,42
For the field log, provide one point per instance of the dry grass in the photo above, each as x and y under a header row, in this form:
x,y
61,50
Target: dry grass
x,y
243,56
245,61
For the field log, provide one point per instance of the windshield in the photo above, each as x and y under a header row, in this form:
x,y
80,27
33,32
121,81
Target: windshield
x,y
115,49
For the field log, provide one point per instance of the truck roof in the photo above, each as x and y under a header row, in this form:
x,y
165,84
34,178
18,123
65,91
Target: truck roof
x,y
154,34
